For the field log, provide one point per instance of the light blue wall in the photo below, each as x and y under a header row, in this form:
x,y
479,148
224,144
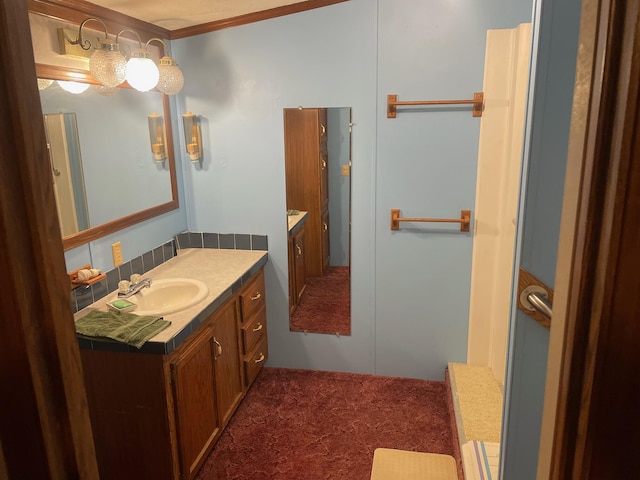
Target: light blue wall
x,y
410,289
338,149
426,167
140,238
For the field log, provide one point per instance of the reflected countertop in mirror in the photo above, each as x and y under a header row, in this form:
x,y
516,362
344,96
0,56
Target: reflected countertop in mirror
x,y
296,220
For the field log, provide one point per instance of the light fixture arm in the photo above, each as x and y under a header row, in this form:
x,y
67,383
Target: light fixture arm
x,y
131,31
164,51
86,44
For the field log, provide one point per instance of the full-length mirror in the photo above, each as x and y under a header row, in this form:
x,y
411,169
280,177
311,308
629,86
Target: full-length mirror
x,y
107,170
318,180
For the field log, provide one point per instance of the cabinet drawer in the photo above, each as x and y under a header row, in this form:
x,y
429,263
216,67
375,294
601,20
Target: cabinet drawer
x,y
254,362
254,330
252,296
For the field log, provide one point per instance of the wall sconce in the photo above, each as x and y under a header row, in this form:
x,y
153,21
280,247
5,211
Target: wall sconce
x,y
192,136
109,66
156,134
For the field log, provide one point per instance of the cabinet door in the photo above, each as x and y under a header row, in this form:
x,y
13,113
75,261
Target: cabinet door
x,y
292,276
325,241
299,265
228,368
324,180
194,389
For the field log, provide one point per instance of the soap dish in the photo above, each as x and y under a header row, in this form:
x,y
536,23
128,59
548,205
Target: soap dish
x,y
121,306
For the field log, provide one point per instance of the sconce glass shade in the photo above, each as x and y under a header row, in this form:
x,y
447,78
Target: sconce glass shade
x,y
142,72
156,134
107,64
171,78
73,87
192,136
44,83
106,91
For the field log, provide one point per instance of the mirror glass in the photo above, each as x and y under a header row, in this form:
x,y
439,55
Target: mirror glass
x,y
105,174
318,179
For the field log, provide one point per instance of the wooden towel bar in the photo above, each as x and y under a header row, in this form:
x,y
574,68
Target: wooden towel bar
x,y
477,102
464,220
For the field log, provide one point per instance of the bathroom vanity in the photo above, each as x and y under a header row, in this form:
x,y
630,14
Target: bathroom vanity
x,y
157,412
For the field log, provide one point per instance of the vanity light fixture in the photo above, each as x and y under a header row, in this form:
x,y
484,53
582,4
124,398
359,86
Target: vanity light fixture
x,y
171,78
109,66
156,134
192,136
44,83
106,64
142,72
73,87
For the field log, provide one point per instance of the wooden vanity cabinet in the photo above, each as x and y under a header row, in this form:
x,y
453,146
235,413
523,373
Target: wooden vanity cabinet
x,y
157,417
297,273
193,377
307,180
207,387
228,369
255,347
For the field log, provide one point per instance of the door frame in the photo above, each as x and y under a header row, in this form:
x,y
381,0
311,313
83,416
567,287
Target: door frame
x,y
596,228
45,430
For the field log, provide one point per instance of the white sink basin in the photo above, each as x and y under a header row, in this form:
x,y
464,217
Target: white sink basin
x,y
169,295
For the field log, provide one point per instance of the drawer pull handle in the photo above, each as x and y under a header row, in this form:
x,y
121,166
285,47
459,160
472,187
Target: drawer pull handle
x,y
299,250
324,224
258,328
257,296
324,129
324,164
218,347
260,360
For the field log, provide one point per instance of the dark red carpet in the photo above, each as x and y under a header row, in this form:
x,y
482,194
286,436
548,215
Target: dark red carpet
x,y
312,425
324,307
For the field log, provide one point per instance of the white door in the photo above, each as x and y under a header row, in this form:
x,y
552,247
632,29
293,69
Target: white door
x,y
555,40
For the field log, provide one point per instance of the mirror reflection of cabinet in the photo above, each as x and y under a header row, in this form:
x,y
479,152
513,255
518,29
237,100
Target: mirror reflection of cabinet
x,y
297,273
307,171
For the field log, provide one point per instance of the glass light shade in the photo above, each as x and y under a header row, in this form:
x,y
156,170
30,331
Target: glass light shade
x,y
156,134
142,72
171,78
106,91
73,87
44,83
192,136
107,64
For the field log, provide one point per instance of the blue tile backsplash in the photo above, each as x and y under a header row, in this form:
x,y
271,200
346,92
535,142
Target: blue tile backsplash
x,y
82,297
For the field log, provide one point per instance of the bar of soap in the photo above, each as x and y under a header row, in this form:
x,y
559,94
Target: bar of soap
x,y
122,306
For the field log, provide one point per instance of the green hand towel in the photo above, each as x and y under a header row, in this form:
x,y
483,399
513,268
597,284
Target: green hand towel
x,y
127,328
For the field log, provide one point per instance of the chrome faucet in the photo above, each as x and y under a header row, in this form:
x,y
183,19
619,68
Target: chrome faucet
x,y
134,288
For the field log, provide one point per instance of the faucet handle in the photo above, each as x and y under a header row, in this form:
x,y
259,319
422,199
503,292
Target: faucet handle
x,y
135,278
123,285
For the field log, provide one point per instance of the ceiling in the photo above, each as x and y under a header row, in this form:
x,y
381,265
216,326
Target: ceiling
x,y
177,14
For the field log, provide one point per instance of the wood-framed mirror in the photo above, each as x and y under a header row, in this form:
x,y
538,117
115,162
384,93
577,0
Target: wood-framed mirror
x,y
318,181
114,185
127,185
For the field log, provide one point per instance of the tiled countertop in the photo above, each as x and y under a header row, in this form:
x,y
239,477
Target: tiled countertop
x,y
295,222
223,271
